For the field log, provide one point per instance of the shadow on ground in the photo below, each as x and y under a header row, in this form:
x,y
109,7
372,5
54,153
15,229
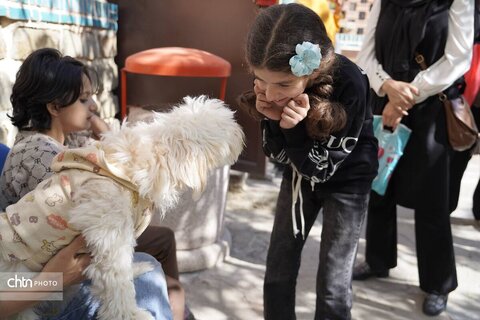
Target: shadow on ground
x,y
233,289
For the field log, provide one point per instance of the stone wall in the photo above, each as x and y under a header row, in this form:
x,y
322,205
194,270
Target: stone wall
x,y
83,29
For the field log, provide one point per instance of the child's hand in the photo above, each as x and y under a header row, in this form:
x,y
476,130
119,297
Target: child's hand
x,y
295,111
266,108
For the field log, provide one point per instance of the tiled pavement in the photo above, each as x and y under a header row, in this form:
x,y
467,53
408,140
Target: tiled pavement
x,y
233,289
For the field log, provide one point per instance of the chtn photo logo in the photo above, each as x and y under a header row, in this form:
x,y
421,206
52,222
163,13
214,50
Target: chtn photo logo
x,y
23,282
31,286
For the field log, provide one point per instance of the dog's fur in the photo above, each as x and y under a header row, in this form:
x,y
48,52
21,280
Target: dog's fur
x,y
176,150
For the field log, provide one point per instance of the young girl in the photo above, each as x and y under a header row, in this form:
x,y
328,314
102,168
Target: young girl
x,y
52,98
315,119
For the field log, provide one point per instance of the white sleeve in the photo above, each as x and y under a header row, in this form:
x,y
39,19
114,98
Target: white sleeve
x,y
366,58
458,53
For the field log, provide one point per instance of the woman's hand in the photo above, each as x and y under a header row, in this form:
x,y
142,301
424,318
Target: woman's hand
x,y
391,116
401,94
71,261
266,108
295,111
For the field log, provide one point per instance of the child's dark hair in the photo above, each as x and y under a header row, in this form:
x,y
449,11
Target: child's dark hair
x,y
45,77
271,43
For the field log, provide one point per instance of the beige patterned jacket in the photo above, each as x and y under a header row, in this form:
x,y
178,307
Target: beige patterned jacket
x,y
36,227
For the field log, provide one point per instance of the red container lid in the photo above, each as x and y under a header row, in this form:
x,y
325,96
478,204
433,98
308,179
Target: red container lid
x,y
177,61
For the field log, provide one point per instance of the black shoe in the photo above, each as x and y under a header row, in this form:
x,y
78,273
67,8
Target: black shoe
x,y
434,304
362,271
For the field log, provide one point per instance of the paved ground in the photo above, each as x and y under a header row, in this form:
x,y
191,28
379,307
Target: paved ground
x,y
233,289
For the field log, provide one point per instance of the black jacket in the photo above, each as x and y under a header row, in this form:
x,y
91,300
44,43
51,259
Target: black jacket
x,y
345,162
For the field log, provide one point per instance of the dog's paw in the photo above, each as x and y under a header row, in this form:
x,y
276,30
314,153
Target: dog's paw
x,y
141,314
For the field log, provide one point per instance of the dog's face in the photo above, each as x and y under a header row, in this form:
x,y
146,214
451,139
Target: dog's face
x,y
178,149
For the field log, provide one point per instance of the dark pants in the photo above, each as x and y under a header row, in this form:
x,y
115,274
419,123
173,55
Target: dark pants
x,y
435,255
343,216
159,242
476,202
421,181
457,168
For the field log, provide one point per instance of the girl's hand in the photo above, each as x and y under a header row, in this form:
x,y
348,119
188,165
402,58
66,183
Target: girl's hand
x,y
266,108
391,115
295,111
401,94
71,261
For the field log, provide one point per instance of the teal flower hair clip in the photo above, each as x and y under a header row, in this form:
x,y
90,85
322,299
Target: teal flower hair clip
x,y
306,60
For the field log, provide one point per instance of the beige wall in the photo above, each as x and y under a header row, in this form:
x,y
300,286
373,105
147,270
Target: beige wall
x,y
95,47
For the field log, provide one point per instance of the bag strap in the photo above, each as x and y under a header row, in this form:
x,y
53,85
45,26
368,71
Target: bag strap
x,y
420,59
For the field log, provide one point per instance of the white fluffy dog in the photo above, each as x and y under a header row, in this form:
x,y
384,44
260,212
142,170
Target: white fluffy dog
x,y
105,192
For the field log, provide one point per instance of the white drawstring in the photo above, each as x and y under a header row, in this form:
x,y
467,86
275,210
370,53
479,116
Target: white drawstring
x,y
297,193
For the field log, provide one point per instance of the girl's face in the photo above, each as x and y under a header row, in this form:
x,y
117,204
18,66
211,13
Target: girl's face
x,y
279,87
76,117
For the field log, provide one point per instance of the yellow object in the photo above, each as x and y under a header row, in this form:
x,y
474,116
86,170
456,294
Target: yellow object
x,y
329,18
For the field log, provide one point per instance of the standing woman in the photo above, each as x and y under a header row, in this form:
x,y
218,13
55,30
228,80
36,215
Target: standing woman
x,y
441,31
316,120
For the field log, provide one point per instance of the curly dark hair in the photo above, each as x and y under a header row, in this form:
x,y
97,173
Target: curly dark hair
x,y
271,43
46,76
